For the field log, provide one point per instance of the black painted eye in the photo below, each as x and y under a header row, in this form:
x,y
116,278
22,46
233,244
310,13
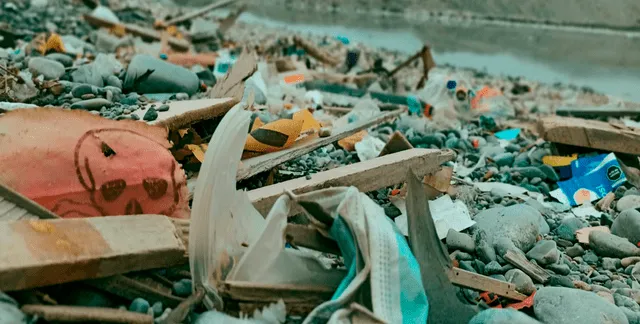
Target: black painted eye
x,y
461,95
113,189
155,187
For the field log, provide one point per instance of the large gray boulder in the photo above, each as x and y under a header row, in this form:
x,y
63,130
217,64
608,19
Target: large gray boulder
x,y
502,316
609,245
518,223
627,225
567,305
147,74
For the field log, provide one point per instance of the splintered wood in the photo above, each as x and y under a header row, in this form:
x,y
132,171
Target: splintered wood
x,y
232,84
590,133
181,114
39,253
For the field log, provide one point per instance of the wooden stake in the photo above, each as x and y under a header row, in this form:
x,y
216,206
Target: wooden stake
x,y
316,52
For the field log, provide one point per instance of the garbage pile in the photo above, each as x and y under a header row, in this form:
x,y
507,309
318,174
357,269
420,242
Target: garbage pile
x,y
166,165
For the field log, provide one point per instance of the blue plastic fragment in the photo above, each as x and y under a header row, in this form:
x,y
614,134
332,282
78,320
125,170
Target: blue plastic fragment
x,y
343,39
164,56
415,107
508,134
352,119
17,51
451,84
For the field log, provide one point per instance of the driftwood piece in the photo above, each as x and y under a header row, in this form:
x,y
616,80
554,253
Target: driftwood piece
x,y
200,12
534,271
232,84
130,289
47,252
181,114
14,206
444,305
366,176
483,283
316,52
78,314
590,133
150,34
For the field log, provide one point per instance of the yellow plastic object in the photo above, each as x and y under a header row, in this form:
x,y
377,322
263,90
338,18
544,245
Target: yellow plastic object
x,y
558,161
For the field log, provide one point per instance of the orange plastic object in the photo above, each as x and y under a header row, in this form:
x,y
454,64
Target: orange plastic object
x,y
309,124
272,137
53,44
527,303
293,79
349,143
191,59
80,165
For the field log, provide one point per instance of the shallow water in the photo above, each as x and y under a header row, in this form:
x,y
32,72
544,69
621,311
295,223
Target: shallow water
x,y
607,63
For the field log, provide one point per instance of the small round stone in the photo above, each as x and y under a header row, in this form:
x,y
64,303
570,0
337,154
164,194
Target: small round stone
x,y
139,305
183,288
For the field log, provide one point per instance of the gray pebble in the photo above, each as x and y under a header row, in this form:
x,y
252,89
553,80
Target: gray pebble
x,y
183,288
139,305
150,115
163,108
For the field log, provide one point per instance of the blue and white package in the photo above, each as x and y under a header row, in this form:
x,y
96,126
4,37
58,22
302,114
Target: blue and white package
x,y
593,178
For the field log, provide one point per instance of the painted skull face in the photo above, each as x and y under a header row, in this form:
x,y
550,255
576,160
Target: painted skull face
x,y
127,173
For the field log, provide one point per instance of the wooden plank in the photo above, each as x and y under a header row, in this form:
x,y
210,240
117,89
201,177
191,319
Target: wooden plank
x,y
590,133
444,305
181,114
130,289
79,314
265,162
309,237
11,200
47,252
247,291
469,279
178,44
366,176
532,270
628,110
